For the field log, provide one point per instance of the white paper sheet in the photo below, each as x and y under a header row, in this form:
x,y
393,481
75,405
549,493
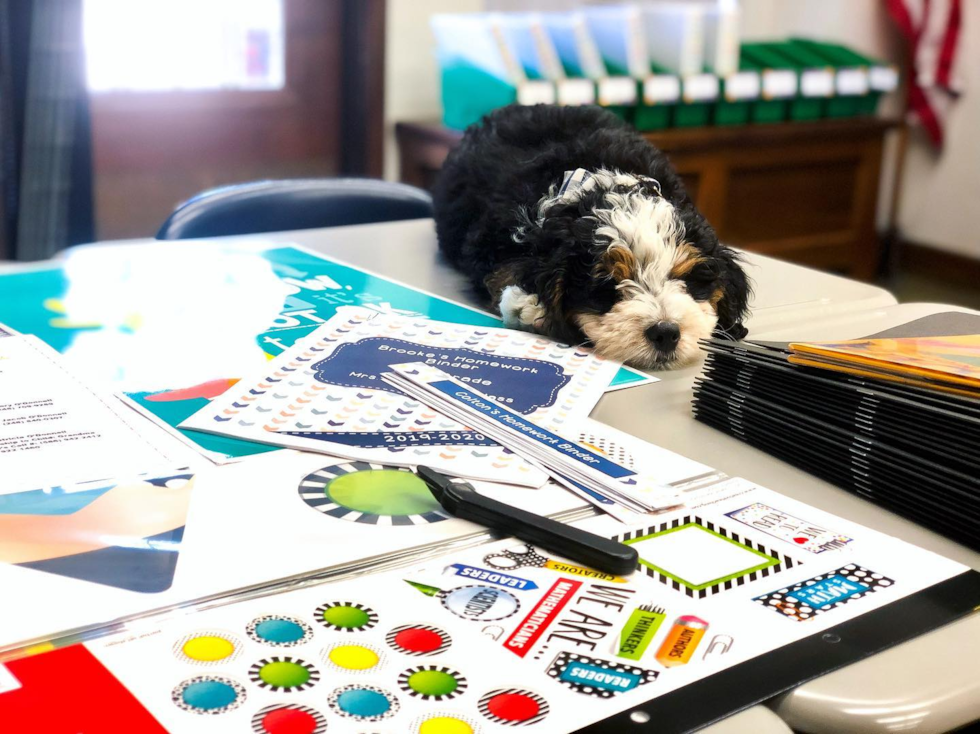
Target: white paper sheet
x,y
55,430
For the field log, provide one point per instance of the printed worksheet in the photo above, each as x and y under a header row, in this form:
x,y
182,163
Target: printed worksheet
x,y
55,430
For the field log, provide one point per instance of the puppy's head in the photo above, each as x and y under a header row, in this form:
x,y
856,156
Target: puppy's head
x,y
639,275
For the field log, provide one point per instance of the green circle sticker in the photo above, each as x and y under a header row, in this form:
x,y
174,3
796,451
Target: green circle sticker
x,y
283,674
432,682
358,491
384,492
347,618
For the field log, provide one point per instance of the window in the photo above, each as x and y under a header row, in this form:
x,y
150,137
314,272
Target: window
x,y
168,45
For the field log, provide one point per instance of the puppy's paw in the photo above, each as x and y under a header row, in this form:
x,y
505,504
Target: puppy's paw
x,y
521,310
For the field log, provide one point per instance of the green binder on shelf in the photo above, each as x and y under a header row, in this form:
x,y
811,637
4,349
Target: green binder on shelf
x,y
699,95
779,83
851,90
817,79
861,80
659,99
739,91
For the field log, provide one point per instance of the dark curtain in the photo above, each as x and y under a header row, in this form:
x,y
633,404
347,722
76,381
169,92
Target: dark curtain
x,y
45,133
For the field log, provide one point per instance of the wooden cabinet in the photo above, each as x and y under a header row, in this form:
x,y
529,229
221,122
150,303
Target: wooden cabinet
x,y
804,192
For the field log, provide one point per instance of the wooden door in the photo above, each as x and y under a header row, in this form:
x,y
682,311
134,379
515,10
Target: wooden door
x,y
154,149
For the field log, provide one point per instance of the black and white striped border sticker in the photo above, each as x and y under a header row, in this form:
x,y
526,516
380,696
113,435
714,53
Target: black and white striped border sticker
x,y
320,719
251,630
461,682
543,708
332,702
313,491
371,615
783,561
254,674
177,694
185,658
465,718
391,639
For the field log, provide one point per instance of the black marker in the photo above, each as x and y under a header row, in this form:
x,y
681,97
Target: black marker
x,y
459,499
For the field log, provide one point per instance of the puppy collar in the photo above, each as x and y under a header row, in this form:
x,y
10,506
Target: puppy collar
x,y
574,180
582,179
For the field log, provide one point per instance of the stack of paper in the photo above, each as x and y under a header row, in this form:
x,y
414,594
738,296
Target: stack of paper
x,y
892,417
574,465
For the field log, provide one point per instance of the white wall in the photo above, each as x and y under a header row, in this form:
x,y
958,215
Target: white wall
x,y
411,72
940,193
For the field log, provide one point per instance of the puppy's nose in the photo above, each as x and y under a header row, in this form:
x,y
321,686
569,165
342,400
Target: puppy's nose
x,y
664,335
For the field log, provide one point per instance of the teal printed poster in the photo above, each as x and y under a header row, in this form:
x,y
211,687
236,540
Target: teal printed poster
x,y
175,325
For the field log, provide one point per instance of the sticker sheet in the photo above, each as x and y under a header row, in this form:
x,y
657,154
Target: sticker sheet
x,y
327,394
505,635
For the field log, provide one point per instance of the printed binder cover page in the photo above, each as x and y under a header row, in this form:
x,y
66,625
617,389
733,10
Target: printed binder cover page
x,y
327,393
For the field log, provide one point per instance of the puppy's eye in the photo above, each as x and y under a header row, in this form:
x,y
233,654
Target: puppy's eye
x,y
702,272
700,281
602,296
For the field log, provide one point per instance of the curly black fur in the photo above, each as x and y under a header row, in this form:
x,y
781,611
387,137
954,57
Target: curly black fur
x,y
489,189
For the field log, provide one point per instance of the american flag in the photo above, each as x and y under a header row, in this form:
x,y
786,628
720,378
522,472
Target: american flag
x,y
932,31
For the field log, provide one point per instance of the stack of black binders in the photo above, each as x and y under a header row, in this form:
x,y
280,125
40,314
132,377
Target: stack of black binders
x,y
912,449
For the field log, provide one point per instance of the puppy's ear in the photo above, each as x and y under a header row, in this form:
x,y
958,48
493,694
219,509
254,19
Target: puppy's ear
x,y
557,269
731,300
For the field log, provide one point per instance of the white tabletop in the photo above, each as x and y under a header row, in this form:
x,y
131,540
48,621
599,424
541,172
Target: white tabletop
x,y
790,301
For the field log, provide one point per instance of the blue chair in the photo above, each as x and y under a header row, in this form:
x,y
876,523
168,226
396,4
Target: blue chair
x,y
272,206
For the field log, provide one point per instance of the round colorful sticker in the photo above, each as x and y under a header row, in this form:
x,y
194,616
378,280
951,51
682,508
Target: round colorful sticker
x,y
279,631
346,616
363,703
419,639
207,648
371,493
432,682
288,718
284,674
208,694
445,724
354,657
513,707
480,603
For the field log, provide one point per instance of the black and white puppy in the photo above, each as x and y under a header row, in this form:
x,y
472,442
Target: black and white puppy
x,y
614,254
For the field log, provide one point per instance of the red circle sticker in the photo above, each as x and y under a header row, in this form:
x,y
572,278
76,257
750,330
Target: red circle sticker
x,y
288,719
418,639
513,706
